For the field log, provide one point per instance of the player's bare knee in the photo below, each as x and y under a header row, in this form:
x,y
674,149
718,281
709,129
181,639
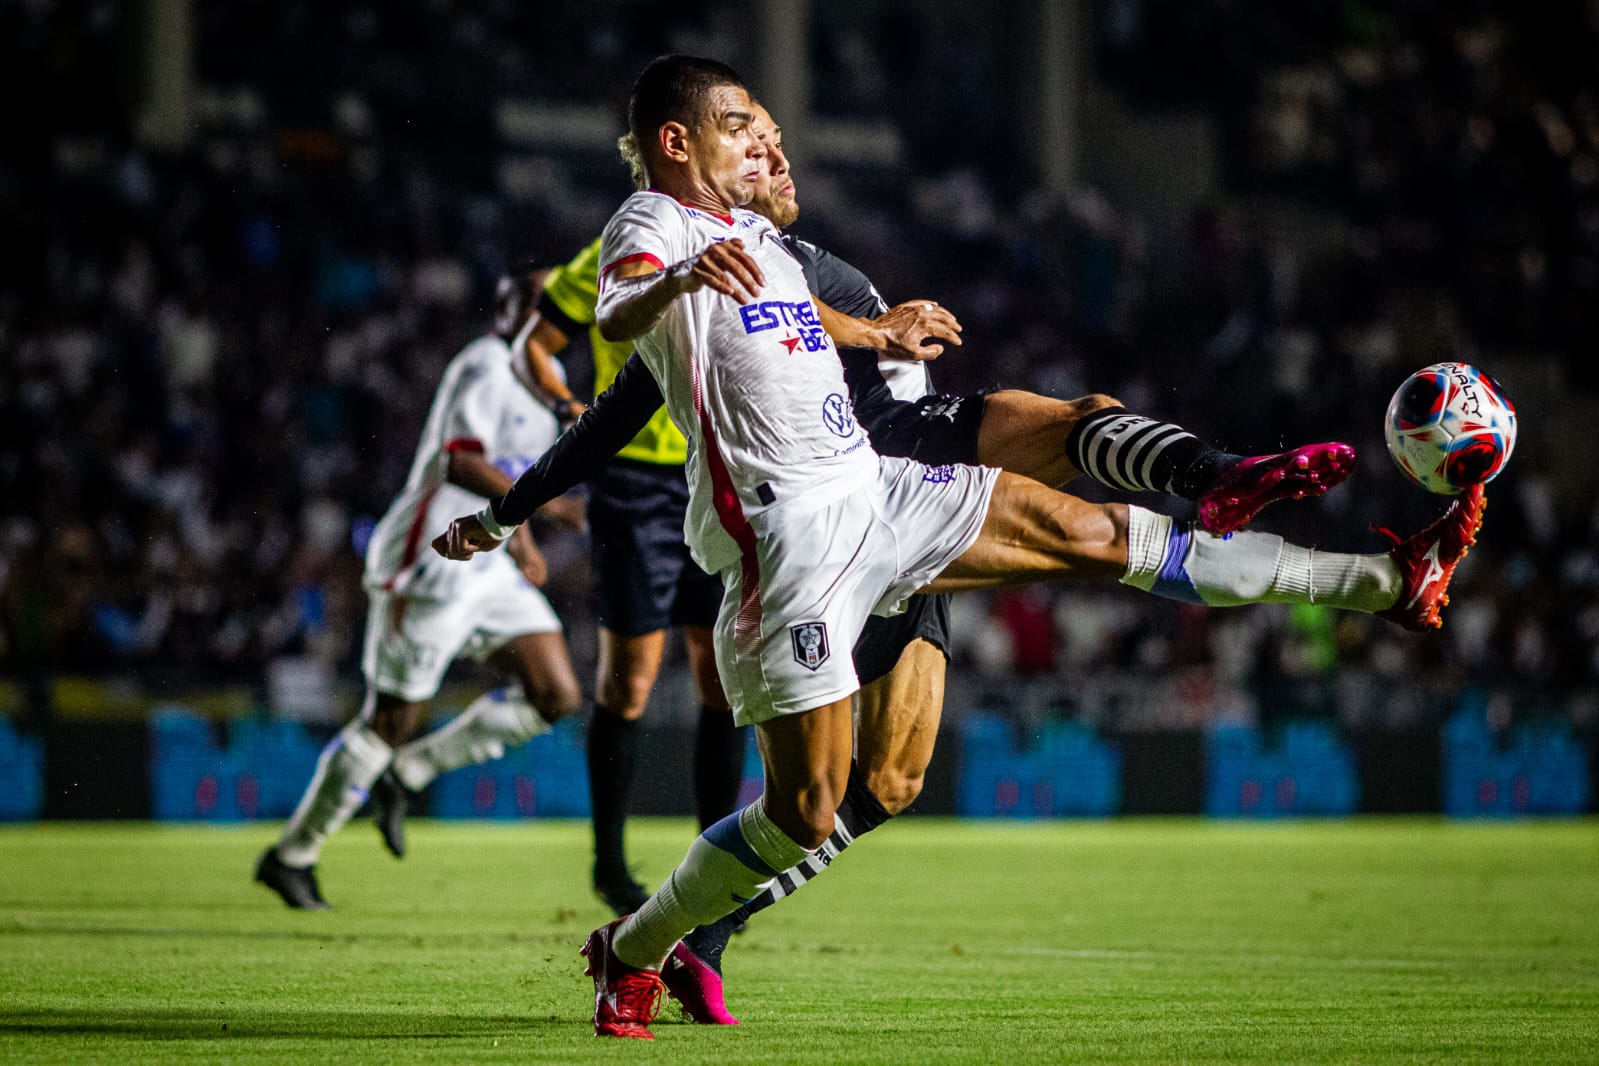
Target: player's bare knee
x,y
894,788
1094,401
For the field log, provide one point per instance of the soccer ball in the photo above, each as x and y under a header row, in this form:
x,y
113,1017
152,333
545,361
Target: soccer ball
x,y
1450,426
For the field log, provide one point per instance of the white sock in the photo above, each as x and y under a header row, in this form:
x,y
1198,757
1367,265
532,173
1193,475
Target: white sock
x,y
349,764
1186,563
727,865
491,723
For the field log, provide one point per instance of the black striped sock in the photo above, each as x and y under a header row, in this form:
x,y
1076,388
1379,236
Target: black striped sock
x,y
860,813
1137,454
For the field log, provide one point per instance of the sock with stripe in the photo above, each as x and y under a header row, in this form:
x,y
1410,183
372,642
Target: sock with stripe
x,y
349,764
728,864
1182,562
860,813
1137,454
718,765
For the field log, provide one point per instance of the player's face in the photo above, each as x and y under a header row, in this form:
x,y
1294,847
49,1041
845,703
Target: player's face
x,y
728,157
774,192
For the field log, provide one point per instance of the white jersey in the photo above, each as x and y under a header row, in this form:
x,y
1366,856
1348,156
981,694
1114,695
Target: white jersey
x,y
480,406
756,388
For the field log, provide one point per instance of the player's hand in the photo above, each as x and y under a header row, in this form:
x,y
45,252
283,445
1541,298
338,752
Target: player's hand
x,y
909,327
724,267
528,558
464,539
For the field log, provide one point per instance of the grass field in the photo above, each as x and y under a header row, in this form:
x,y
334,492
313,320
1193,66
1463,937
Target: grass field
x,y
935,941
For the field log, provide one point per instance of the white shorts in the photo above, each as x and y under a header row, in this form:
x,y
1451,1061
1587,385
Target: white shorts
x,y
792,610
411,641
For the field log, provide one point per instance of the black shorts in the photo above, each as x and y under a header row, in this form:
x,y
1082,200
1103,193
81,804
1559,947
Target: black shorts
x,y
883,639
934,430
644,576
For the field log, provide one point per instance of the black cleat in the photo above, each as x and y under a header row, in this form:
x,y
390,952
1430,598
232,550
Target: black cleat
x,y
619,891
391,801
297,885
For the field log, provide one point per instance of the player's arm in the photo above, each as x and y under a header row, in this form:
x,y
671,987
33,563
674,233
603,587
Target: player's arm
x,y
635,292
911,330
467,467
533,360
615,418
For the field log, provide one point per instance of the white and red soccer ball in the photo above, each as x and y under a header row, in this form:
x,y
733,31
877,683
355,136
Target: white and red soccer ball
x,y
1450,426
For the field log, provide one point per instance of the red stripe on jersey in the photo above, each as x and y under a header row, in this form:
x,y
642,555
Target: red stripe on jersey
x,y
730,512
636,257
413,538
464,444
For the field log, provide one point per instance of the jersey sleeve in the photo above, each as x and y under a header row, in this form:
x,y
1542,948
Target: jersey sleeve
x,y
648,228
572,289
839,285
473,416
615,418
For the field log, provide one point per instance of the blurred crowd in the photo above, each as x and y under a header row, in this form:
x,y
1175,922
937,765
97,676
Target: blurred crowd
x,y
216,359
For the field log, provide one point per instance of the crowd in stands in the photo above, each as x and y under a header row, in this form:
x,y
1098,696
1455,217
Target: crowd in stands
x,y
214,361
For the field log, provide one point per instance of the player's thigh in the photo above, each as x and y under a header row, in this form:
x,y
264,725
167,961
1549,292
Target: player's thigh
x,y
807,757
626,669
541,662
700,642
897,726
1026,433
1033,533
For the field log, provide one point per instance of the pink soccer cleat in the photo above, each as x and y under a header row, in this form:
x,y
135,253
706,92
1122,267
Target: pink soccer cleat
x,y
626,1000
1241,493
1428,559
696,987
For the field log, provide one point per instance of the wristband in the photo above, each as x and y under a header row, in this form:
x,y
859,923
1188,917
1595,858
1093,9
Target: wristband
x,y
562,408
491,525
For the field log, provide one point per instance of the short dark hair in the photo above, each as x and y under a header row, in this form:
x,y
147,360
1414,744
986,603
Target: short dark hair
x,y
673,89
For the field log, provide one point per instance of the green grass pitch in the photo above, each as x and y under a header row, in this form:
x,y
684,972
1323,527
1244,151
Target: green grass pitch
x,y
932,941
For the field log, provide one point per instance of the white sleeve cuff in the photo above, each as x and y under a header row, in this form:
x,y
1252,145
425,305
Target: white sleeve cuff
x,y
491,526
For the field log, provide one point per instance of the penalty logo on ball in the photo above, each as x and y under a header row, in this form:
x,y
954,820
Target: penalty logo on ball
x,y
1449,427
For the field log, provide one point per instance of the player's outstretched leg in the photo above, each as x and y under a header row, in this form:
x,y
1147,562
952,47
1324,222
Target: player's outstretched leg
x,y
1031,533
1133,453
349,765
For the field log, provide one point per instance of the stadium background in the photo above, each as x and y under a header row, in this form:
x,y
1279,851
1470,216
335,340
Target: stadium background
x,y
243,239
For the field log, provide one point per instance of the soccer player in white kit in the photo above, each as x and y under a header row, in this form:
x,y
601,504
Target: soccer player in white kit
x,y
484,428
812,531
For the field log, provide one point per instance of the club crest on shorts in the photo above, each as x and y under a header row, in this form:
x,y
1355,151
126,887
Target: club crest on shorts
x,y
810,644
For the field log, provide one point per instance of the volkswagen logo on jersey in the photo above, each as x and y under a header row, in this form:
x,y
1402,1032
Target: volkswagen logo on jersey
x,y
810,644
838,415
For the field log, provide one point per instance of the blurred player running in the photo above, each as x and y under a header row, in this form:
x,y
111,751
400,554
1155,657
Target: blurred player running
x,y
812,531
484,428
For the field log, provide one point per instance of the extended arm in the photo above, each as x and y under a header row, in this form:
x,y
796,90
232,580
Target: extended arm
x,y
533,361
614,419
902,332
